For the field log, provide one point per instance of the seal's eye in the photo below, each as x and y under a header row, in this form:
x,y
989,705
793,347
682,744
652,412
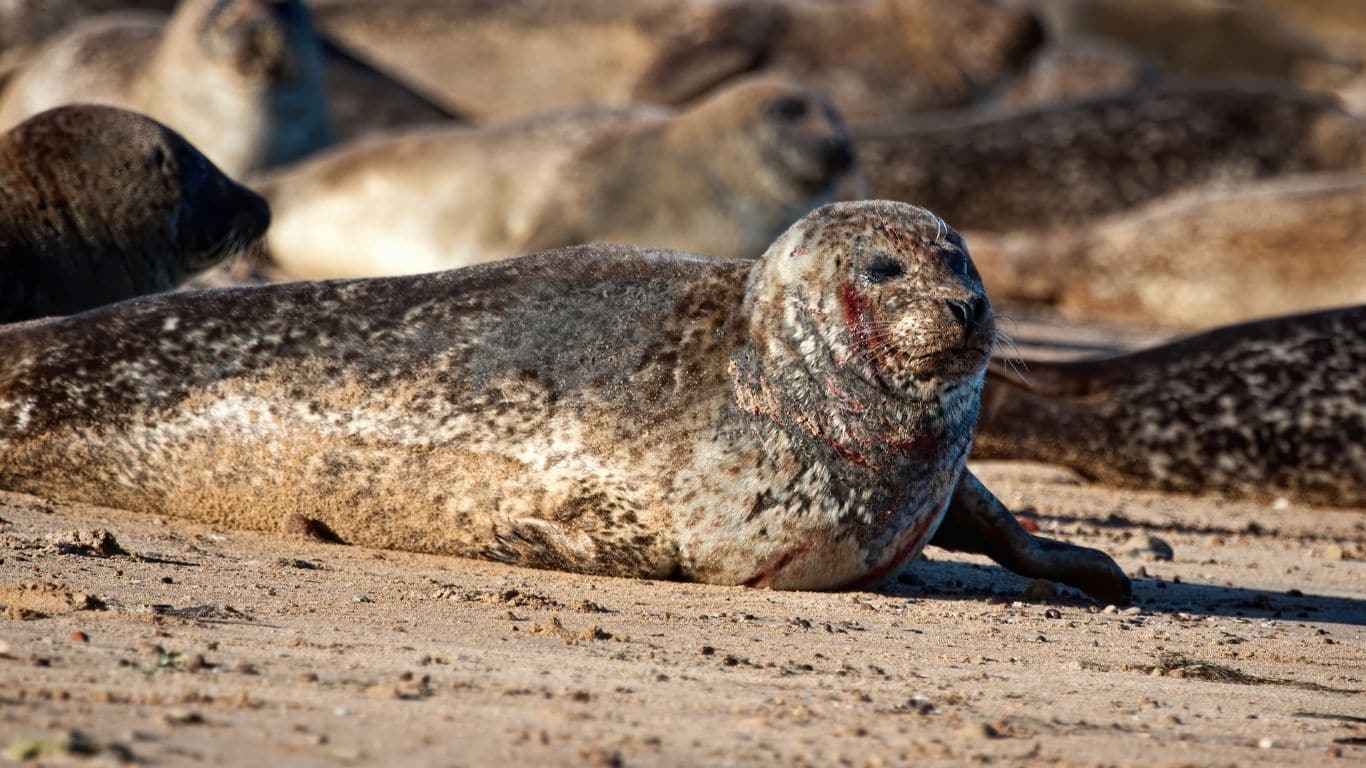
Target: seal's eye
x,y
883,269
791,108
958,262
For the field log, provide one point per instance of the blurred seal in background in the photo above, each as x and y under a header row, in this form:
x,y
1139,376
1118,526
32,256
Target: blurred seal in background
x,y
1065,164
878,59
721,178
1199,259
240,79
98,205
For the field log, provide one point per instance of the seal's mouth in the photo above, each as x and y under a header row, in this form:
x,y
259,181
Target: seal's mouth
x,y
890,367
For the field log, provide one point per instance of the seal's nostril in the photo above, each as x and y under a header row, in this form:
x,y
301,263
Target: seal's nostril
x,y
963,312
979,307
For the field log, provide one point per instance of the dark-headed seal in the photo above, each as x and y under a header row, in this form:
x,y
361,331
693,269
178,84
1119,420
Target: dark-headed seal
x,y
241,79
722,178
1270,408
99,205
798,422
1062,165
1196,260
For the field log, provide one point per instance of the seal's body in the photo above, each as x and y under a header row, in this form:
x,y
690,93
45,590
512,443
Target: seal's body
x,y
1197,260
98,205
1063,165
1270,408
799,422
241,79
721,179
878,59
1212,37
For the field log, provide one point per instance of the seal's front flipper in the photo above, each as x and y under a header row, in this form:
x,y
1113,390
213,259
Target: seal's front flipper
x,y
978,522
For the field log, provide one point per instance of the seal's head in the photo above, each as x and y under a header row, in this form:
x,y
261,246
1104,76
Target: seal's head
x,y
884,292
119,186
784,138
270,41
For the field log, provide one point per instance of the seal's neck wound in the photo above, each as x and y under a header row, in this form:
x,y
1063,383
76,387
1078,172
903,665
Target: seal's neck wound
x,y
871,335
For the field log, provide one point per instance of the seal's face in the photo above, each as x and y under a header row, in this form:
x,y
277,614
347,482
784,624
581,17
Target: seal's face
x,y
258,39
882,291
804,137
214,217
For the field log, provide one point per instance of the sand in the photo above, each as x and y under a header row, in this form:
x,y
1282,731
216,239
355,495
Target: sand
x,y
209,646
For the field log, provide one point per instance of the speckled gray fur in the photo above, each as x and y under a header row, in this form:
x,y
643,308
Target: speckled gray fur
x,y
1268,408
799,422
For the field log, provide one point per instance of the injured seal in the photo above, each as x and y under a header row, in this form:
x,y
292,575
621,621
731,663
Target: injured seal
x,y
799,422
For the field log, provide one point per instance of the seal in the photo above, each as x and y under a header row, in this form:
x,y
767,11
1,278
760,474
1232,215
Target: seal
x,y
1201,37
886,60
1102,155
26,24
98,205
362,98
486,60
1198,259
1077,69
799,422
878,59
721,179
1272,408
241,79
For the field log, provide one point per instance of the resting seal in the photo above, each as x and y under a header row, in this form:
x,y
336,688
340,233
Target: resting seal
x,y
98,205
877,58
1197,260
1206,37
722,178
241,79
1271,408
1066,164
797,422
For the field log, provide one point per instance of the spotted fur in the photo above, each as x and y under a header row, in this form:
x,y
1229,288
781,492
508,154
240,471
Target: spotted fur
x,y
596,409
1063,165
1270,408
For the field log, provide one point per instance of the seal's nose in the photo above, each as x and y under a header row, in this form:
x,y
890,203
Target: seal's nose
x,y
839,155
966,313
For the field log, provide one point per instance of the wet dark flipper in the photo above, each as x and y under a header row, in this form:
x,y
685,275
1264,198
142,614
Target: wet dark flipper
x,y
978,522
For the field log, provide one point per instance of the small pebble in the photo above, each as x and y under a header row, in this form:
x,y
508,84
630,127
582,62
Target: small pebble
x,y
78,637
1266,742
195,662
182,717
1052,613
361,599
707,650
978,730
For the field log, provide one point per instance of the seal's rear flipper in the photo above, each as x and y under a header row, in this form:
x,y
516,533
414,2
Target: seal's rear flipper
x,y
978,522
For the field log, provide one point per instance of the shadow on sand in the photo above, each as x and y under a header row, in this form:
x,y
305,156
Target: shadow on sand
x,y
928,578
